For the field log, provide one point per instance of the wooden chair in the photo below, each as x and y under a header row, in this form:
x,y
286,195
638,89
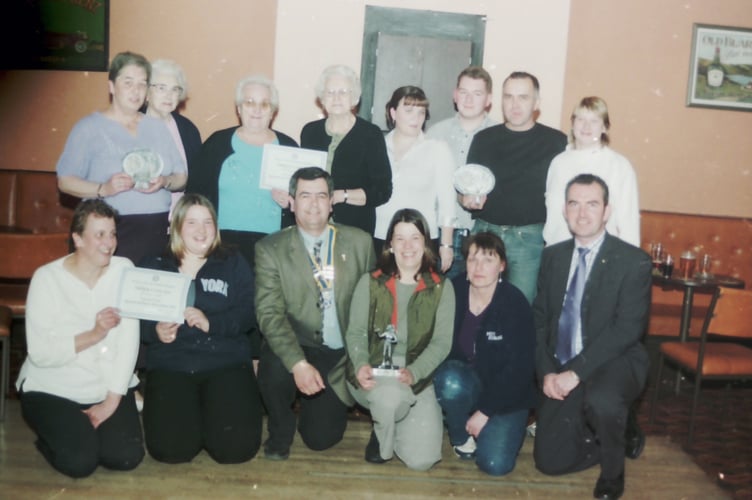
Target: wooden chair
x,y
729,316
20,255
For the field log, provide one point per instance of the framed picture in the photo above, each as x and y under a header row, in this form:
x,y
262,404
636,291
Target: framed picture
x,y
720,69
54,34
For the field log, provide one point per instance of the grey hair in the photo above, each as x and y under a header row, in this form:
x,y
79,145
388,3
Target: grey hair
x,y
171,68
343,71
257,80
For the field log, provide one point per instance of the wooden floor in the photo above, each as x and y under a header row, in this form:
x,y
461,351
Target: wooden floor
x,y
662,472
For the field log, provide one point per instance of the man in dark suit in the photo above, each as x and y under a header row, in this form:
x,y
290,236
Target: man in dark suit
x,y
305,276
590,313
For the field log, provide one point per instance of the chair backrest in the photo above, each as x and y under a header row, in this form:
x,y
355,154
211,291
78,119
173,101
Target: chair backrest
x,y
730,313
22,254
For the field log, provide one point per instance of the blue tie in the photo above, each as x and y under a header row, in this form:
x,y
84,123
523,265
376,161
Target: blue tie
x,y
569,320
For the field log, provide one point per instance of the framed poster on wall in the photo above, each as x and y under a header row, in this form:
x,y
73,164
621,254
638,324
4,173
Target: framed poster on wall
x,y
720,68
55,34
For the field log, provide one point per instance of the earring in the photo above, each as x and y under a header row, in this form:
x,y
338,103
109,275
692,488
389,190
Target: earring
x,y
499,277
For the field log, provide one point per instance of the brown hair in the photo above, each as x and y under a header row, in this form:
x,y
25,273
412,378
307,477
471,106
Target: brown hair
x,y
477,73
386,262
485,242
413,96
124,59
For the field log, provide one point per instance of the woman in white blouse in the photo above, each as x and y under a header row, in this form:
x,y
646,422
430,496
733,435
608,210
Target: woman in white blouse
x,y
588,153
77,383
422,170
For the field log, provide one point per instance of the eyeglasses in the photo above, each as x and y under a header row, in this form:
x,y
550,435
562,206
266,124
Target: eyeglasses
x,y
262,105
332,93
163,89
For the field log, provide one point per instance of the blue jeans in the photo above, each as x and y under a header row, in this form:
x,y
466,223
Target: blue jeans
x,y
524,245
458,389
458,265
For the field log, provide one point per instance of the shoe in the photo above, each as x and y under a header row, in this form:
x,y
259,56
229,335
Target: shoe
x,y
466,451
373,450
634,445
279,454
531,429
139,401
634,441
609,489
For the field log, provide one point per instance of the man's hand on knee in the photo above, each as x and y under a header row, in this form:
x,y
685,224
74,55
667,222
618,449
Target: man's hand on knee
x,y
559,385
307,378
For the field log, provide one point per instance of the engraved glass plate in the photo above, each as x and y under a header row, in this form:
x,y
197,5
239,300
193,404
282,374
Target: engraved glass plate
x,y
143,165
474,179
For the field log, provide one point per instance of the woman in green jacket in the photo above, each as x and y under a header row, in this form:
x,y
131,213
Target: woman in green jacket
x,y
400,330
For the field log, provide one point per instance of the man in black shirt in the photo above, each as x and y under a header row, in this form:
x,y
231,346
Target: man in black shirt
x,y
518,152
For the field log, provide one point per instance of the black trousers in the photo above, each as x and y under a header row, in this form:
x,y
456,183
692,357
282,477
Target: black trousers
x,y
72,445
218,410
323,416
588,426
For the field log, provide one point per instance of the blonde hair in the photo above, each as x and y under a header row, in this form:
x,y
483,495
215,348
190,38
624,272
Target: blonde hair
x,y
177,245
597,106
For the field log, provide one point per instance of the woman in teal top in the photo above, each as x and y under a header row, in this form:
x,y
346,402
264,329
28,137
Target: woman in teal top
x,y
228,169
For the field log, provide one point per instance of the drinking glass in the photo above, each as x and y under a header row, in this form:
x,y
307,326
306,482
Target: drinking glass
x,y
667,267
705,265
687,264
656,251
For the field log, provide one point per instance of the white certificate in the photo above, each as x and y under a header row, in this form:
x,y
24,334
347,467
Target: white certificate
x,y
153,295
278,163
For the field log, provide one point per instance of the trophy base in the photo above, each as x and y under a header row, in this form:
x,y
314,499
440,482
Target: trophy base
x,y
385,372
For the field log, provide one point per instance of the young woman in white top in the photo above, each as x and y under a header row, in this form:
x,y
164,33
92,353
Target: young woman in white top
x,y
588,153
422,170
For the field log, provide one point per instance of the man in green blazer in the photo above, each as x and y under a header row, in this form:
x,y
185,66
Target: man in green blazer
x,y
305,276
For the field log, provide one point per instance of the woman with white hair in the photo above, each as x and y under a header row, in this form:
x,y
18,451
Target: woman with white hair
x,y
357,161
168,88
228,168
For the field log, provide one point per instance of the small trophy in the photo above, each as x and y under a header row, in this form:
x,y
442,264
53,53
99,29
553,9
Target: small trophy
x,y
387,368
143,165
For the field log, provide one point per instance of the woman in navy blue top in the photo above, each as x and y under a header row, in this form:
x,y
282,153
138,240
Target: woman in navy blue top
x,y
201,391
486,385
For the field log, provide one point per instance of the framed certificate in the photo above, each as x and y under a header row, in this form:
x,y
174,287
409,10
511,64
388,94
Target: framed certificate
x,y
153,295
278,163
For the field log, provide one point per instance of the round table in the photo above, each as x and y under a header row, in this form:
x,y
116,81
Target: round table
x,y
689,285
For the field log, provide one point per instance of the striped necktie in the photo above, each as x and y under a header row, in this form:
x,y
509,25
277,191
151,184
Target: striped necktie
x,y
569,320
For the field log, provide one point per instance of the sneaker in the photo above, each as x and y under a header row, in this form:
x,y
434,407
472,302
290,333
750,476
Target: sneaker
x,y
531,429
466,451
